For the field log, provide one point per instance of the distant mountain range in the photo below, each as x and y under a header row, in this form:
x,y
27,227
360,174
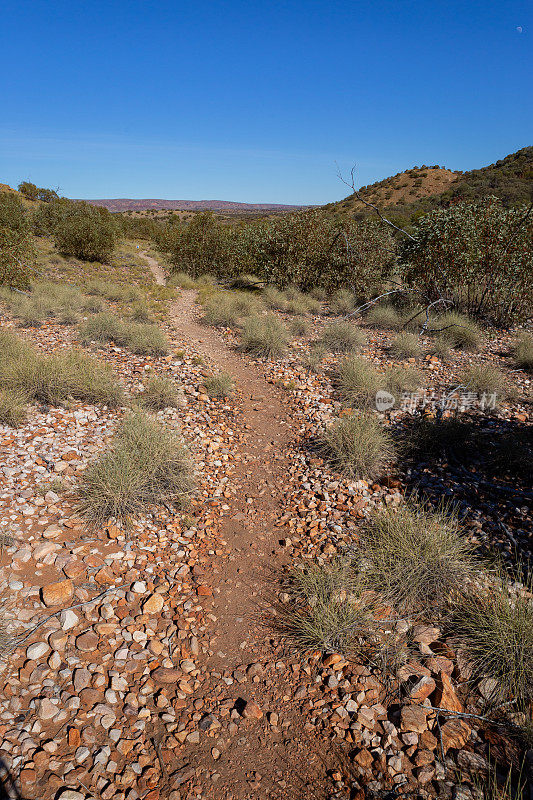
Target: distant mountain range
x,y
226,206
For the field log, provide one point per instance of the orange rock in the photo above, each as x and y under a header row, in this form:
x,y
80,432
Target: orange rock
x,y
455,734
204,591
74,738
58,593
445,696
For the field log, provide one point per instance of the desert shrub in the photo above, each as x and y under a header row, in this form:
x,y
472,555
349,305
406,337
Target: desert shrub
x,y
29,190
342,337
140,338
86,232
313,358
457,331
182,280
47,216
382,315
219,385
405,345
484,379
16,248
523,351
329,610
12,407
264,335
160,393
342,302
357,445
229,308
54,378
494,629
145,465
201,246
357,381
416,558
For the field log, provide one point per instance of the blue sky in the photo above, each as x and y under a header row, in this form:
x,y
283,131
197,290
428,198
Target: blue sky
x,y
256,101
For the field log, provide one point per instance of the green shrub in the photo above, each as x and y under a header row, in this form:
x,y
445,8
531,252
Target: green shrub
x,y
523,351
458,332
145,465
342,337
16,248
357,445
160,393
417,559
494,629
12,408
135,336
264,335
357,381
446,252
219,385
382,316
86,232
342,302
406,345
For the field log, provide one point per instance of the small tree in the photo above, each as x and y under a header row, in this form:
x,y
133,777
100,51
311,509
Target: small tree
x,y
16,251
29,190
86,232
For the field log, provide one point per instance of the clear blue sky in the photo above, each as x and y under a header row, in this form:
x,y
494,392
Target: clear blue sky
x,y
255,101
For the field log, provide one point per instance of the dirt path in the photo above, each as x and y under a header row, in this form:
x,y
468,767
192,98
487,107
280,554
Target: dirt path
x,y
253,765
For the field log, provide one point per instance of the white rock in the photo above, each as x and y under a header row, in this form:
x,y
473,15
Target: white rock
x,y
46,709
68,619
139,587
37,650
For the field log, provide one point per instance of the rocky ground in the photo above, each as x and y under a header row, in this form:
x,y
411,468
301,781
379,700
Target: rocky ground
x,y
145,663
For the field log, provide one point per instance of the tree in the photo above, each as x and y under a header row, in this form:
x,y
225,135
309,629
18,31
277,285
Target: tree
x,y
29,190
16,250
86,232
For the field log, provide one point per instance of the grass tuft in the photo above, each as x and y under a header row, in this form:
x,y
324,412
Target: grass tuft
x,y
145,465
219,385
12,407
342,337
140,338
342,302
523,351
405,345
486,380
357,381
358,446
160,393
382,316
264,336
458,331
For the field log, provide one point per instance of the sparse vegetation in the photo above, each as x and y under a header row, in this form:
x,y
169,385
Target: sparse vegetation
x,y
230,308
12,407
145,465
342,302
457,331
523,351
401,379
357,445
219,385
405,345
264,336
140,338
486,380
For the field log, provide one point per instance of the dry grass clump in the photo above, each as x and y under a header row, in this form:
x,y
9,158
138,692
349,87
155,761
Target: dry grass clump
x,y
405,345
416,558
435,438
145,465
299,326
401,379
494,629
342,337
12,408
297,302
329,610
357,381
264,335
458,331
160,393
342,302
357,445
141,312
135,336
312,360
115,292
182,280
382,316
484,379
523,351
220,385
230,308
54,378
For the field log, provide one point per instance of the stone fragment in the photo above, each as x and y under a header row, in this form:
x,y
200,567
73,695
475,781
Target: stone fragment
x,y
58,593
37,650
87,642
413,718
153,604
445,696
455,734
252,711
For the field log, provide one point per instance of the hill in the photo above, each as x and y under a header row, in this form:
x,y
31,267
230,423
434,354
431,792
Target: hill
x,y
416,191
224,206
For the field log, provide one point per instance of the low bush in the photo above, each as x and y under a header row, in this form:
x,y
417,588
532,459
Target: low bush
x,y
417,559
264,335
382,315
298,327
115,292
401,379
140,338
342,337
145,465
458,331
160,393
141,312
219,385
494,629
357,445
12,407
486,380
523,351
406,345
357,381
